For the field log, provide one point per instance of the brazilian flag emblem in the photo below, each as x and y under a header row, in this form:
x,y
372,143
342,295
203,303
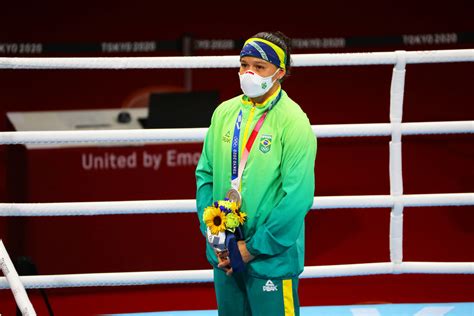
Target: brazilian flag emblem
x,y
265,143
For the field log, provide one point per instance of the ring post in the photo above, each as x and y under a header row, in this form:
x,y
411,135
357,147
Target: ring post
x,y
18,290
395,164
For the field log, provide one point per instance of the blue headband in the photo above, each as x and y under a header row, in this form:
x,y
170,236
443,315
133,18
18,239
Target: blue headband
x,y
266,50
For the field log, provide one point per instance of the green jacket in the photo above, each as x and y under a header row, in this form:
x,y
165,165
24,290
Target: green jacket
x,y
277,185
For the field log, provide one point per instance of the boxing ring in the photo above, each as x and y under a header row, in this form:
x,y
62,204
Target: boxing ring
x,y
397,201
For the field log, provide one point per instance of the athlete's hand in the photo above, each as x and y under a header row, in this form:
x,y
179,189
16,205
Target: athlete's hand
x,y
246,255
224,262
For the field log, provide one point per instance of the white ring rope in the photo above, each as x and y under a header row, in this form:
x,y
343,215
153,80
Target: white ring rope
x,y
396,200
13,281
205,276
190,135
299,60
189,206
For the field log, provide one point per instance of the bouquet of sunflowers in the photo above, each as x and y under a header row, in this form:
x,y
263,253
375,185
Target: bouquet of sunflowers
x,y
222,216
224,221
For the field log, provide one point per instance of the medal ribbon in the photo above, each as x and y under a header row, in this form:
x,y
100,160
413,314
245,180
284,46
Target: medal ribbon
x,y
235,146
237,171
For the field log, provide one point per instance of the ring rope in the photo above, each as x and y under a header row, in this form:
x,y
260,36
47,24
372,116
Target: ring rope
x,y
14,282
189,206
206,276
180,62
397,201
198,134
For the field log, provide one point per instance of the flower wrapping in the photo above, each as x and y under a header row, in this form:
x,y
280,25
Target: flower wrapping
x,y
224,221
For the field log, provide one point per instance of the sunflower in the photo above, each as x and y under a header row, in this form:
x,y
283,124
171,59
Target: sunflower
x,y
242,217
214,219
233,206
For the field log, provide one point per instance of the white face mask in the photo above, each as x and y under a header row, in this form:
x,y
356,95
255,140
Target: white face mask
x,y
254,85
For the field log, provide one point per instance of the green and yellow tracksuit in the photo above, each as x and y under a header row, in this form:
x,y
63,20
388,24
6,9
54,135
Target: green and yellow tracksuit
x,y
277,191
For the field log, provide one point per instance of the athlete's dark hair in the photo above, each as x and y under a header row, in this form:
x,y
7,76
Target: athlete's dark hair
x,y
282,41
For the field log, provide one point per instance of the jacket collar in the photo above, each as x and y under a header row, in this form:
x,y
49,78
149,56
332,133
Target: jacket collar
x,y
269,102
